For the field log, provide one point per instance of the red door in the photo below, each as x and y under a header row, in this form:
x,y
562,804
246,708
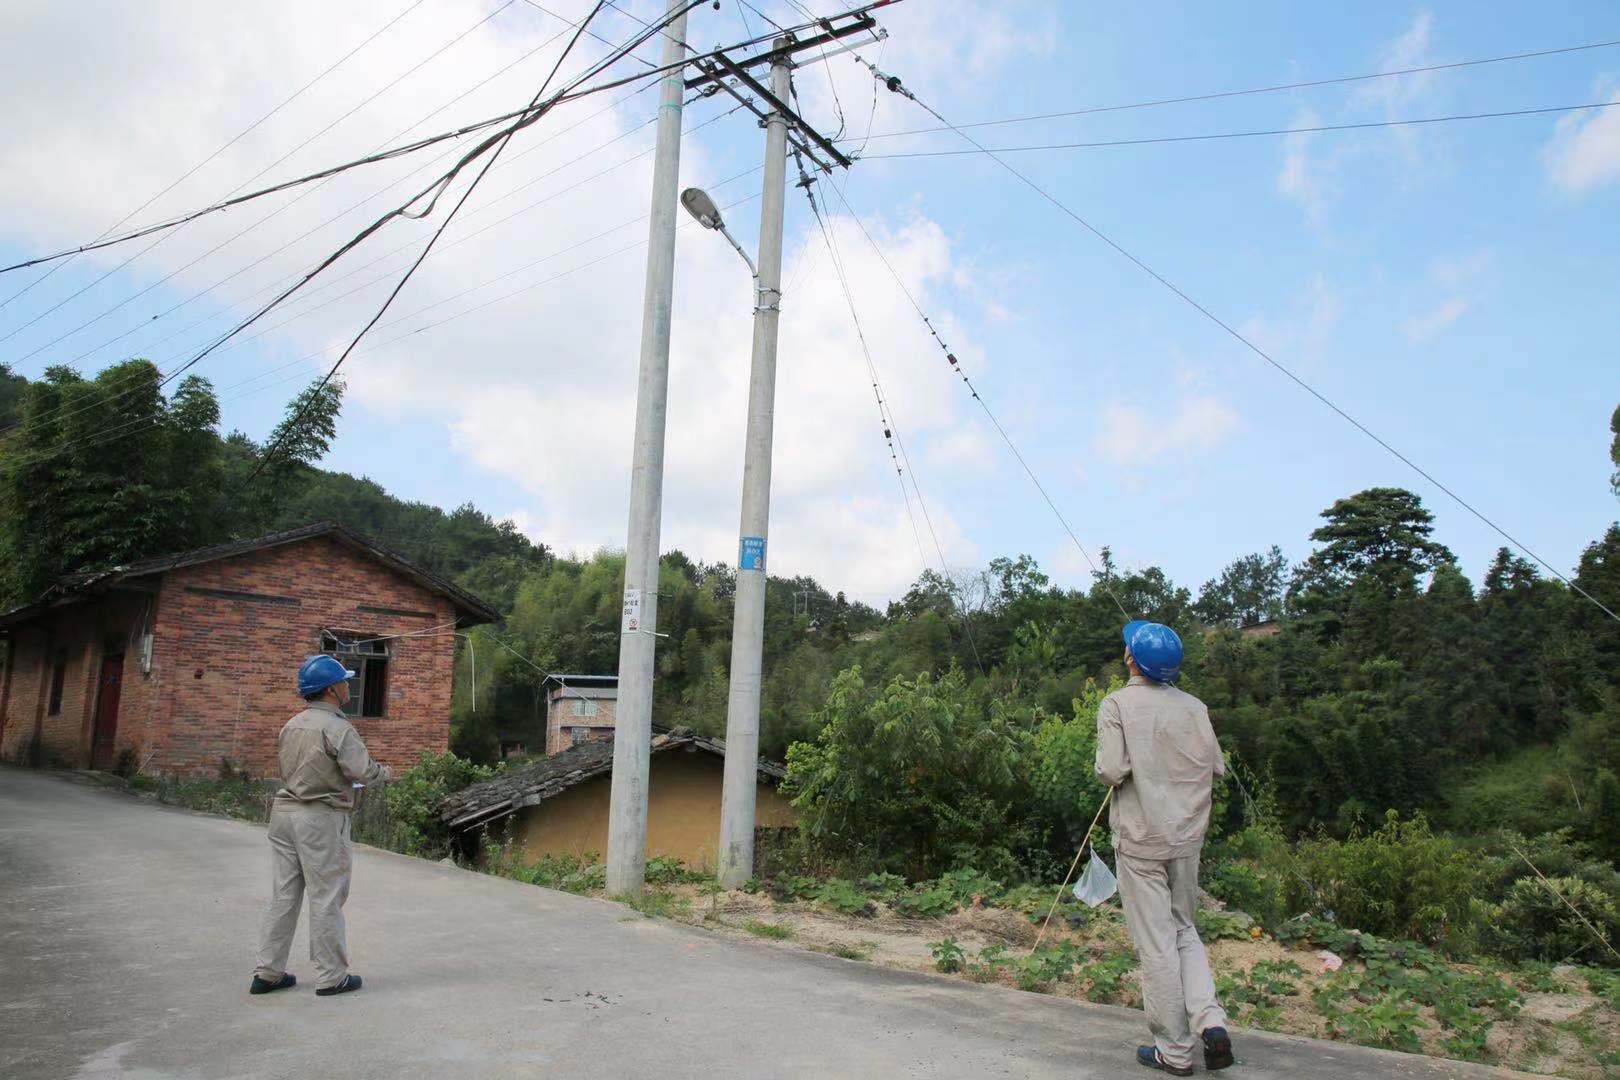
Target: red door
x,y
104,741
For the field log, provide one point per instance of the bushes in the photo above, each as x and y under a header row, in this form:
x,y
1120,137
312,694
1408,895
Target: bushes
x,y
1400,881
1535,923
912,777
414,795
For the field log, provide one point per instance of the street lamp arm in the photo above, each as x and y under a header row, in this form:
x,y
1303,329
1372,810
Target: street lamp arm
x,y
762,302
752,269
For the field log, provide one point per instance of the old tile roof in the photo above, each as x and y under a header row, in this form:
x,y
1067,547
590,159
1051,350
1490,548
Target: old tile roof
x,y
77,587
529,785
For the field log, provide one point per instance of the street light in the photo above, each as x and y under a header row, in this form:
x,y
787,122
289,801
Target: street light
x,y
735,862
701,206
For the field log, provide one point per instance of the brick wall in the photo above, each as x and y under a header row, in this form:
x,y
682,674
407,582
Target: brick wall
x,y
560,717
80,637
231,662
228,638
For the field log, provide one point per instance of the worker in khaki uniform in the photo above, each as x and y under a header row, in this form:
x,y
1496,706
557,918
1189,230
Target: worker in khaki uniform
x,y
1156,749
322,758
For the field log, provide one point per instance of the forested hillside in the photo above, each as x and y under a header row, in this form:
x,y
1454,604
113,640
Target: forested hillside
x,y
1390,681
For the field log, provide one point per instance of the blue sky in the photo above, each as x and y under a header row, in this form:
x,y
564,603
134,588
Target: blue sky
x,y
1451,286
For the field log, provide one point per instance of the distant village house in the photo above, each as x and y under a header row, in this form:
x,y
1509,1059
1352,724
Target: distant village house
x,y
580,709
558,805
186,664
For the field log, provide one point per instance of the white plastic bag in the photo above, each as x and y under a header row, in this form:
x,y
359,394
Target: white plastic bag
x,y
1097,883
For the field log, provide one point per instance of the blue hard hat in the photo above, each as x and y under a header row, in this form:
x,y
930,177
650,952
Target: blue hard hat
x,y
1155,648
319,672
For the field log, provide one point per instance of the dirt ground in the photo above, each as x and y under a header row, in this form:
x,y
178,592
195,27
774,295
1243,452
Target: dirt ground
x,y
1560,1029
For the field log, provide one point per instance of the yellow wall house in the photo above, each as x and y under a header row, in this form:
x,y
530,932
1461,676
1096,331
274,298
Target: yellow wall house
x,y
559,804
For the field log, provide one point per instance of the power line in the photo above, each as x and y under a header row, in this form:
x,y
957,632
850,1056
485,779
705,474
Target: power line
x,y
230,142
399,151
10,432
885,412
403,247
895,85
1217,95
135,379
101,436
499,145
250,180
1317,129
956,366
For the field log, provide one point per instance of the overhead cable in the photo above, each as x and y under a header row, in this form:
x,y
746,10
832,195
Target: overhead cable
x,y
894,84
891,430
496,147
250,180
1313,130
956,366
232,141
1217,95
394,152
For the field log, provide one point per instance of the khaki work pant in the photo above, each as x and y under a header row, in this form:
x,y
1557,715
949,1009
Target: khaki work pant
x,y
1178,991
309,854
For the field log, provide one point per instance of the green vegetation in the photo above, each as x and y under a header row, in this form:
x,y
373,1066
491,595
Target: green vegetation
x,y
767,930
1396,747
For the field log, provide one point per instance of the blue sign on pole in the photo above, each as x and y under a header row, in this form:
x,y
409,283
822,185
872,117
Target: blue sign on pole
x,y
751,553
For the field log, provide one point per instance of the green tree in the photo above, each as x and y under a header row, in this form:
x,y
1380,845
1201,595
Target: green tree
x,y
912,777
297,443
105,471
1249,590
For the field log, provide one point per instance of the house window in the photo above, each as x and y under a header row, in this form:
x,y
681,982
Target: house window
x,y
367,657
58,680
584,707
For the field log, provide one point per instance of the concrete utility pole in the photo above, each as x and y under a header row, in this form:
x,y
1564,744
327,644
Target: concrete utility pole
x,y
632,737
736,854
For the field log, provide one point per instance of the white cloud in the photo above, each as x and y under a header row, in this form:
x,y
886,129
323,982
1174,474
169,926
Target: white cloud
x,y
535,393
1585,149
1306,333
1313,166
1135,434
1424,327
1305,178
1457,280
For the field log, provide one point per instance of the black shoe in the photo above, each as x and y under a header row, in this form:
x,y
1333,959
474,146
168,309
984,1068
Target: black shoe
x,y
261,986
1217,1049
350,982
1149,1057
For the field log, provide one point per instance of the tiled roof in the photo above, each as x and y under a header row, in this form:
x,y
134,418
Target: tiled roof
x,y
531,784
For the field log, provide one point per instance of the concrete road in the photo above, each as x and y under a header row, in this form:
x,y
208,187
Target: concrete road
x,y
127,941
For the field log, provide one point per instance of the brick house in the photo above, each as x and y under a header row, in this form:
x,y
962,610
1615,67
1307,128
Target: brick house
x,y
186,664
579,709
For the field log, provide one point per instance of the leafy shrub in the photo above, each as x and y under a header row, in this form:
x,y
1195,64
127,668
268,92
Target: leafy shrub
x,y
1215,925
844,898
1105,977
1401,881
967,885
668,870
885,888
991,961
912,777
787,887
948,955
1534,922
925,903
413,799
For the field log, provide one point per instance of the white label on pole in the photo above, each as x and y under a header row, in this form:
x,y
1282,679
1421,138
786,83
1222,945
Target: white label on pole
x,y
631,622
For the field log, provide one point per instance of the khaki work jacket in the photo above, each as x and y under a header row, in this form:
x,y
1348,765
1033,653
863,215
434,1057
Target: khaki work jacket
x,y
322,757
1156,747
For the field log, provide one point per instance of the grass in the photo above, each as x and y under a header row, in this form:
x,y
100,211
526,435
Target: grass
x,y
657,904
767,930
863,951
